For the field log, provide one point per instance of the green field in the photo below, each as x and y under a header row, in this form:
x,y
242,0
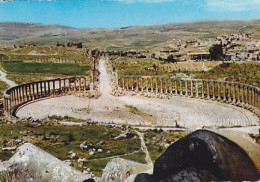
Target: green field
x,y
51,68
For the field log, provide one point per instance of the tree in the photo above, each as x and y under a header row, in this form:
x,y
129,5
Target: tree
x,y
216,52
171,59
79,45
155,69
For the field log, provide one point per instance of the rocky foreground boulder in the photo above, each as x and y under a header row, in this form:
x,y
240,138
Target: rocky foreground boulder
x,y
30,163
202,156
118,170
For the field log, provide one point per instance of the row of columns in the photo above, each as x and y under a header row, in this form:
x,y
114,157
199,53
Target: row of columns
x,y
36,90
234,93
60,61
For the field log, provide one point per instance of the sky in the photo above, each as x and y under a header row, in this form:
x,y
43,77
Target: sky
x,y
123,13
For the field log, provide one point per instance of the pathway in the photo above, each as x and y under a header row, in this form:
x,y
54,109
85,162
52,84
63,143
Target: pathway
x,y
144,149
3,78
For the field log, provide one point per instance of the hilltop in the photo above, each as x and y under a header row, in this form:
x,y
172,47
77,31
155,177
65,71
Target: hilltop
x,y
129,38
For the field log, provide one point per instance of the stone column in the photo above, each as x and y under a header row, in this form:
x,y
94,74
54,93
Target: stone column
x,y
49,88
234,93
225,94
176,89
156,85
33,91
186,88
45,88
29,92
70,84
140,83
146,84
253,96
166,85
238,94
16,96
229,93
180,87
123,83
79,80
127,83
53,87
21,94
85,83
60,90
11,100
258,98
197,89
132,83
249,96
219,96
202,89
208,93
75,85
41,88
26,92
246,95
37,90
152,84
4,104
171,86
161,81
191,88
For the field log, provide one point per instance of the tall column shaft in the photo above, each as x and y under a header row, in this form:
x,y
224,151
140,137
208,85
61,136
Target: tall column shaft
x,y
197,89
219,96
186,88
229,93
208,93
202,89
191,88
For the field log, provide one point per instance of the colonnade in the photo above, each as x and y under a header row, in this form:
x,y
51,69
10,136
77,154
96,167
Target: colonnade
x,y
55,60
21,94
234,93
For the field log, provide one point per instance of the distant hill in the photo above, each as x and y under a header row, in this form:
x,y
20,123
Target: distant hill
x,y
128,38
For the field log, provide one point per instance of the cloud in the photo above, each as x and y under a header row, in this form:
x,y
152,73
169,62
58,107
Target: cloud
x,y
232,5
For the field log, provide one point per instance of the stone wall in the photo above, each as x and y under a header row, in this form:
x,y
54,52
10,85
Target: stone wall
x,y
29,92
238,94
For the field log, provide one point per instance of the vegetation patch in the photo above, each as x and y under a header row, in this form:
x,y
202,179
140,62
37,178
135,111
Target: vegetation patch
x,y
157,141
52,68
20,78
136,156
144,115
248,73
3,87
90,142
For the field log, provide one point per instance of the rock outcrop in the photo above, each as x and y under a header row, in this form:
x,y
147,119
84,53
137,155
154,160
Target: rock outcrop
x,y
202,156
118,170
33,164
